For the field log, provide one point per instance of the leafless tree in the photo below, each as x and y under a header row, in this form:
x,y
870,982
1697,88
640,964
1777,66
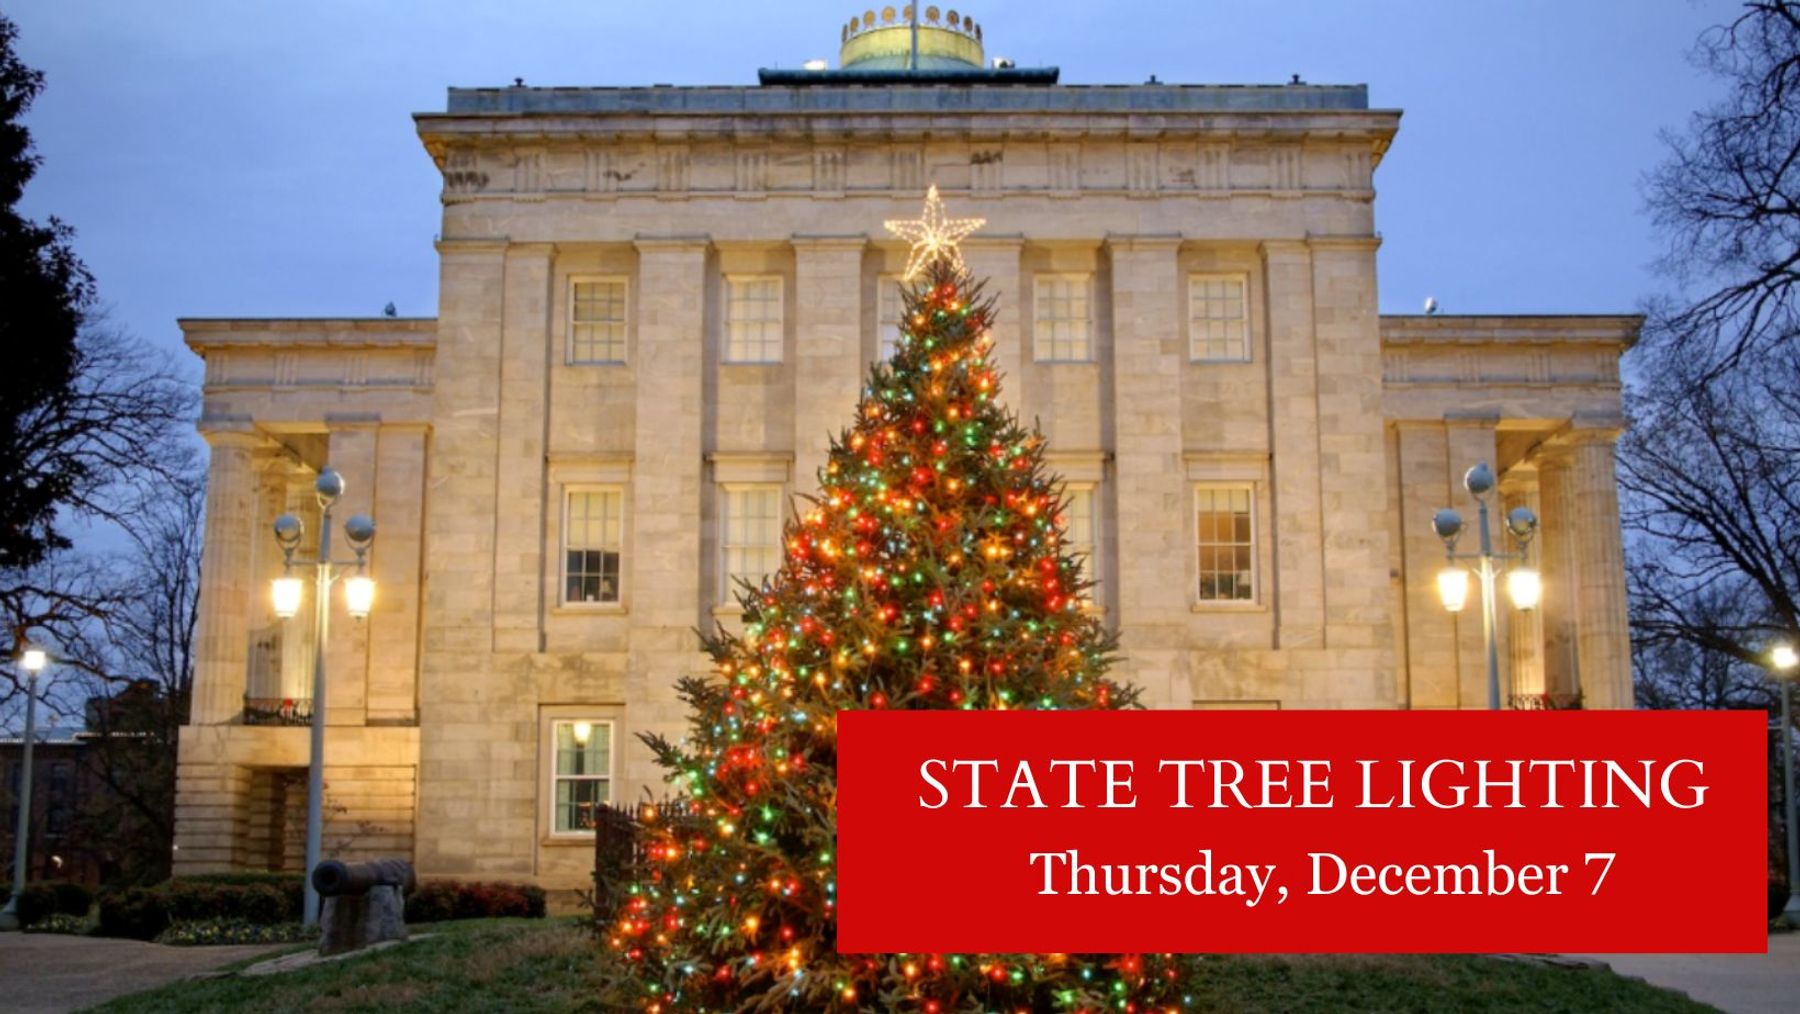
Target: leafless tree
x,y
1727,198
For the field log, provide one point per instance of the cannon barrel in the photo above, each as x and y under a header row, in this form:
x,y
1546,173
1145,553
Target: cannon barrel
x,y
335,879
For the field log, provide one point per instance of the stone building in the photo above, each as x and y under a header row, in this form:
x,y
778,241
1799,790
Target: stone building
x,y
657,302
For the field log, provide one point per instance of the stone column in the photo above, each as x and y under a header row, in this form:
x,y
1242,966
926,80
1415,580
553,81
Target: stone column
x,y
1431,653
272,637
1604,638
1525,645
828,344
1556,553
351,450
994,260
1299,586
398,571
1154,586
1352,468
227,570
527,343
667,602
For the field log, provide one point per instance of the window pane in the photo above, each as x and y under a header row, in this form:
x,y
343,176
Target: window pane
x,y
887,317
597,321
752,536
583,748
1062,322
753,320
593,540
1217,324
578,800
1226,550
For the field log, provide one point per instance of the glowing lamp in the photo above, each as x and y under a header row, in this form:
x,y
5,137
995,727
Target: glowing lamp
x,y
1525,587
359,595
583,730
287,593
1453,588
1784,657
34,660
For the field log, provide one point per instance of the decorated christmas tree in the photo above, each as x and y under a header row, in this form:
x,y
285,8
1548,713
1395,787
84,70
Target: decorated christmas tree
x,y
929,570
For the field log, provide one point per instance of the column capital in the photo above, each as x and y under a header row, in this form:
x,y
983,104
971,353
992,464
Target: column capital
x,y
1284,249
1001,241
1353,243
227,431
1146,243
816,243
699,242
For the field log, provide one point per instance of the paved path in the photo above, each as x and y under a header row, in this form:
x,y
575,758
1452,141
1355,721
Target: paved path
x,y
1736,983
48,973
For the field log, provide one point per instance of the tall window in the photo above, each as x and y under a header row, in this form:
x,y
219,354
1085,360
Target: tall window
x,y
1063,325
1081,536
1218,328
1227,542
888,308
753,319
751,525
593,545
597,320
581,777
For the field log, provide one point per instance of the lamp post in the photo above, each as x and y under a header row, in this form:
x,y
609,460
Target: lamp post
x,y
32,661
1784,659
1523,585
359,597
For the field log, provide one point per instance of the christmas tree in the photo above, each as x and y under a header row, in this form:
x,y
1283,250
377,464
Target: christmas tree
x,y
929,571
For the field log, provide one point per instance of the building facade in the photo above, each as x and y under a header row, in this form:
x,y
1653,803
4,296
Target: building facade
x,y
655,306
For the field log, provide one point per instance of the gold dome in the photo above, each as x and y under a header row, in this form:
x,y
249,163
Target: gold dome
x,y
883,40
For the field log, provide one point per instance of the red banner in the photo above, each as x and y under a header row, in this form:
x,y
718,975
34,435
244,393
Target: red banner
x,y
1301,831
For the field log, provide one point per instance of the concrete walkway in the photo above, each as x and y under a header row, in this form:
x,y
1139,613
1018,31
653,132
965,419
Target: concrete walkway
x,y
1735,983
48,973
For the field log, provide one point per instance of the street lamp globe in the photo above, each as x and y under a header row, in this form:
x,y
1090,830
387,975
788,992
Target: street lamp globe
x,y
1453,588
1784,657
34,660
1479,480
359,595
286,595
1525,588
329,486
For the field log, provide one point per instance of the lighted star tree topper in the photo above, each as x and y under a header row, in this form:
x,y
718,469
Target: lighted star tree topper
x,y
928,571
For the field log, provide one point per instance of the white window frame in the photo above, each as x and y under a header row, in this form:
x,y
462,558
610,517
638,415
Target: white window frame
x,y
887,332
732,353
571,356
728,586
1091,548
1043,346
1195,339
611,778
1254,546
562,595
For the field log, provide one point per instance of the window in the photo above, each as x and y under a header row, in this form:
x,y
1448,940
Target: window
x,y
581,775
1081,541
1062,323
753,319
1227,542
751,523
597,320
888,307
593,541
1217,325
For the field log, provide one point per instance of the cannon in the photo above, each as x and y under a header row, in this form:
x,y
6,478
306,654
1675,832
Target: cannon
x,y
363,903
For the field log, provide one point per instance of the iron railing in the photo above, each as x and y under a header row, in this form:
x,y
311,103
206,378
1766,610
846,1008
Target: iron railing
x,y
278,711
623,835
1546,702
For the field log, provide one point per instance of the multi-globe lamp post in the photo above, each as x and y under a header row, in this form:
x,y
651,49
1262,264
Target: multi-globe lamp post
x,y
359,598
1786,663
31,661
1523,585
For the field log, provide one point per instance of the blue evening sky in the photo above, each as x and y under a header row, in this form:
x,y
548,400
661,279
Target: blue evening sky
x,y
255,158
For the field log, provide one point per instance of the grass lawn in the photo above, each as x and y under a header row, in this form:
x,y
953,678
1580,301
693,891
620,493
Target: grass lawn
x,y
531,965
